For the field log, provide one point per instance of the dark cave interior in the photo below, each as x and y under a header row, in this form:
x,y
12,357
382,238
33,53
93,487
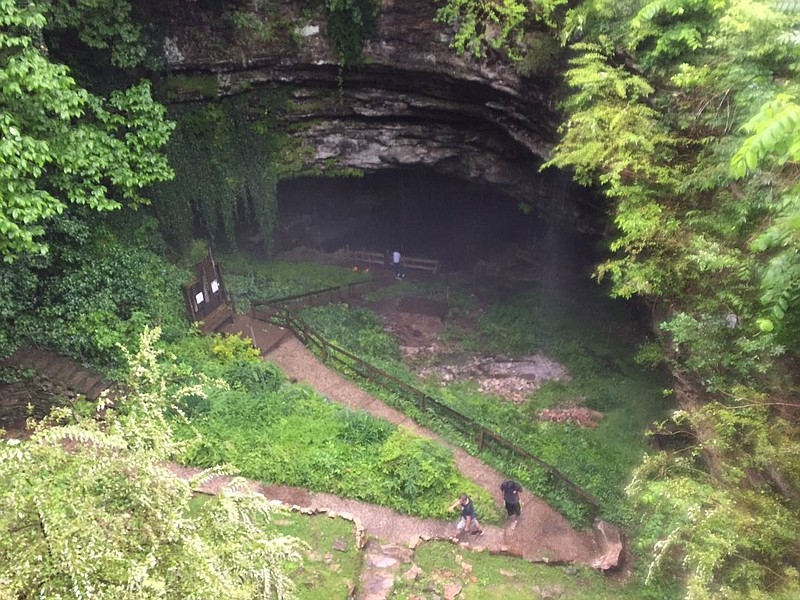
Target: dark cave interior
x,y
428,215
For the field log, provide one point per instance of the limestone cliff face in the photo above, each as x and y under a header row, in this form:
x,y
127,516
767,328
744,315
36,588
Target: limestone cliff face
x,y
413,101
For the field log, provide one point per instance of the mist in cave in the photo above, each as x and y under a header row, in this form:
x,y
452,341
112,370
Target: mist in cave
x,y
424,214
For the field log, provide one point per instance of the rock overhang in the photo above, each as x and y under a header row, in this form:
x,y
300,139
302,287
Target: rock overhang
x,y
412,102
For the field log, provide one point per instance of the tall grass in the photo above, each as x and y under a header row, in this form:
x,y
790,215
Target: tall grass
x,y
279,432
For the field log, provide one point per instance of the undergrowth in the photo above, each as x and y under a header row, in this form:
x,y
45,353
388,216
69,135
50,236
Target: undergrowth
x,y
279,432
482,575
249,280
593,341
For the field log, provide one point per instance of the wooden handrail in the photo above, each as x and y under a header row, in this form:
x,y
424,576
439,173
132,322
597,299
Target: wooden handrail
x,y
278,302
423,401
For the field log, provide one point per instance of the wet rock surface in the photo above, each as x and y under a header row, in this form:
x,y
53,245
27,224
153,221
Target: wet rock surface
x,y
413,102
418,324
513,379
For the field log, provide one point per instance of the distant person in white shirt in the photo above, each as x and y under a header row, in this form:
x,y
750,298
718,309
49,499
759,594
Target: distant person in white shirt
x,y
398,265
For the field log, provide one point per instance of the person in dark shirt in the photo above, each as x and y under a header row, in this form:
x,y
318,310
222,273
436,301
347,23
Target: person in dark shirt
x,y
468,521
511,490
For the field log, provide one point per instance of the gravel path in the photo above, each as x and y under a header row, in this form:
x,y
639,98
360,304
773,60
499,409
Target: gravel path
x,y
542,533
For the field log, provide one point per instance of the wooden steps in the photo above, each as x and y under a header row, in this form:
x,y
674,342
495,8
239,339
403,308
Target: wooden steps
x,y
66,373
220,316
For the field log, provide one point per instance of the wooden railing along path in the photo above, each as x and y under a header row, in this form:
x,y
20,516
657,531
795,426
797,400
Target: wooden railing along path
x,y
265,310
366,257
279,313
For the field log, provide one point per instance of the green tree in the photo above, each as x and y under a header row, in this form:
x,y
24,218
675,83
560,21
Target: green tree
x,y
100,24
712,514
61,145
349,23
480,25
224,174
684,113
773,148
90,508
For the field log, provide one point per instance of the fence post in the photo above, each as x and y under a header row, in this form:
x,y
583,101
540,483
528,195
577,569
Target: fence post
x,y
480,439
324,351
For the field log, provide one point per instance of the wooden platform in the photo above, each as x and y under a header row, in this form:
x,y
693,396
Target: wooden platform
x,y
219,317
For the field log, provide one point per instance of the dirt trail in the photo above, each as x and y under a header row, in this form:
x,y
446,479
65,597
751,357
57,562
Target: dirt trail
x,y
542,533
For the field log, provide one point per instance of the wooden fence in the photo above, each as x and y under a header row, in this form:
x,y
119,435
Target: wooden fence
x,y
420,264
365,257
369,258
482,436
265,310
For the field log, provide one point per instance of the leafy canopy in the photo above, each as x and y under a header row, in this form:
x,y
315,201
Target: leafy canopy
x,y
684,113
90,508
349,23
480,25
60,144
774,144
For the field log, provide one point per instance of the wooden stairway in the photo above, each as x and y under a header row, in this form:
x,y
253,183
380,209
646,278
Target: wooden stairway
x,y
65,373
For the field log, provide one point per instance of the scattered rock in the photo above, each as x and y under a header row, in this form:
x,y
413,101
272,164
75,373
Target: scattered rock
x,y
413,573
609,538
549,593
507,573
382,561
452,590
340,545
578,415
513,379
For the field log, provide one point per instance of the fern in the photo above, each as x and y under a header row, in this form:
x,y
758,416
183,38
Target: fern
x,y
667,29
780,279
775,133
480,26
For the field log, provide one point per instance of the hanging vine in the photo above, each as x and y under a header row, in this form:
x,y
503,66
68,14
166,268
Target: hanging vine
x,y
224,176
349,24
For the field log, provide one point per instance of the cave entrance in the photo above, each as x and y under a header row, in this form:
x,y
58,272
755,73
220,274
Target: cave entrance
x,y
426,214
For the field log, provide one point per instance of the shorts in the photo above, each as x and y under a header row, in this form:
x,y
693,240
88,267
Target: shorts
x,y
463,523
513,508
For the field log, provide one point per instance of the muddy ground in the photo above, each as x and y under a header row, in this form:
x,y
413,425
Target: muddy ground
x,y
419,325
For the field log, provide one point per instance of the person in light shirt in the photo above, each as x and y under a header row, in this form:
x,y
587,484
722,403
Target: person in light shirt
x,y
397,263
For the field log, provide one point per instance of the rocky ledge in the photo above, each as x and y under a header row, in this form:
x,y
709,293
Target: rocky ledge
x,y
413,102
